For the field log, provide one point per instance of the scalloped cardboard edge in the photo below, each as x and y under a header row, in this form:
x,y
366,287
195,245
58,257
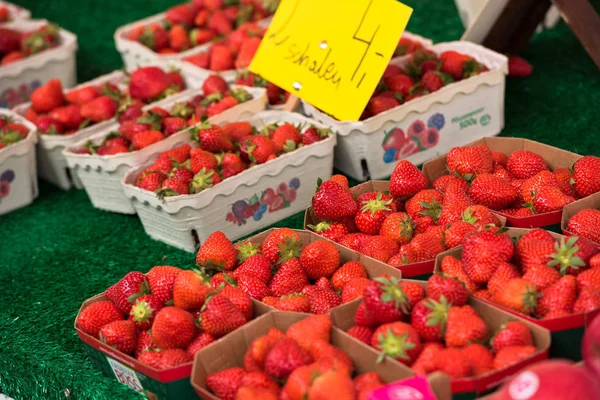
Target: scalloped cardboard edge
x,y
470,109
558,327
555,157
58,62
20,157
343,318
230,352
409,270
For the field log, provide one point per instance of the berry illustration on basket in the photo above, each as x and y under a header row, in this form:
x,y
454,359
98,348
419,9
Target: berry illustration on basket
x,y
5,179
418,137
13,96
270,200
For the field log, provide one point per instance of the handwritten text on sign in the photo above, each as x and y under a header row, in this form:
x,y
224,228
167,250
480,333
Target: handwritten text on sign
x,y
331,53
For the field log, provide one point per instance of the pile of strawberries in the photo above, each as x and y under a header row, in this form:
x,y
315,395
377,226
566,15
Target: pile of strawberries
x,y
283,272
198,22
434,329
538,276
164,317
275,94
303,358
411,224
16,45
57,113
586,223
11,132
224,151
426,72
521,184
156,124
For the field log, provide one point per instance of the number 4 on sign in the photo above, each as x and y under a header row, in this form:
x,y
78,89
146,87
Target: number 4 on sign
x,y
331,53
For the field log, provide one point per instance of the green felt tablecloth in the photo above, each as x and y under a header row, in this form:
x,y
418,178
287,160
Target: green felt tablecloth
x,y
60,251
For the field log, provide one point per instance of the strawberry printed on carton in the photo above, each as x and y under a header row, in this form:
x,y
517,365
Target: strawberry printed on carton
x,y
405,222
439,328
547,278
291,270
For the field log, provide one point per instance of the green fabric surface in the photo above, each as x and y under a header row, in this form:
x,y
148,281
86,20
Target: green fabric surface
x,y
60,251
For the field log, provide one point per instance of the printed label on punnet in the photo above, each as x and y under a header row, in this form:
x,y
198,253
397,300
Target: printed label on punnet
x,y
416,388
331,53
125,375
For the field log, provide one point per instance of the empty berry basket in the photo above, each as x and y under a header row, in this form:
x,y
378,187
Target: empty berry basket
x,y
242,204
424,127
18,179
101,175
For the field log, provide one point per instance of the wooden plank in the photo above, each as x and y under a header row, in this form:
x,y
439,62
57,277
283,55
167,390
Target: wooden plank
x,y
584,21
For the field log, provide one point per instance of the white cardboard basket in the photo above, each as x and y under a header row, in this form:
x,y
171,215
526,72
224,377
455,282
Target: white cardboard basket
x,y
20,78
454,115
134,53
241,204
20,159
52,164
16,12
231,75
101,175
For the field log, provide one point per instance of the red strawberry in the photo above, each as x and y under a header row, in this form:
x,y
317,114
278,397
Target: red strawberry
x,y
173,125
504,273
253,287
330,230
426,246
469,162
214,84
512,355
380,104
181,14
82,95
492,192
69,116
201,60
456,232
281,245
585,173
452,289
190,289
354,289
406,180
589,278
572,255
362,333
364,316
257,266
452,266
464,326
285,357
585,223
523,164
314,134
459,65
350,270
429,319
399,84
148,83
541,276
455,203
224,384
397,226
384,298
146,138
220,58
425,363
92,318
99,109
483,251
372,214
480,358
257,149
333,202
296,302
10,40
239,299
564,176
434,80
247,51
531,186
444,181
286,138
144,344
212,138
379,247
518,67
127,290
161,280
513,333
198,37
397,340
518,295
454,363
173,328
259,380
119,334
220,23
217,252
588,300
549,199
144,310
321,299
220,316
201,341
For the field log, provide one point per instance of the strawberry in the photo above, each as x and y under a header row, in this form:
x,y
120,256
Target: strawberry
x,y
364,380
456,202
483,294
181,14
397,340
239,298
504,273
220,316
173,328
120,335
541,276
144,344
378,247
212,138
406,180
585,223
201,341
253,287
589,278
201,60
450,288
148,83
464,326
82,95
296,302
178,38
290,278
322,299
285,357
333,202
251,393
454,363
198,37
99,109
517,212
254,359
588,300
10,40
286,138
259,380
258,149
426,202
563,177
217,252
281,245
480,358
512,355
469,162
443,181
354,289
361,333
433,81
365,316
452,266
144,310
512,333
585,172
350,270
313,134
523,164
518,67
309,330
399,83
425,363
456,232
220,58
460,65
190,289
127,290
324,353
161,280
69,116
332,380
257,266
380,104
384,298
146,138
531,186
429,319
492,192
222,105
482,251
397,226
224,384
92,318
214,84
353,240
173,125
426,246
595,261
151,180
247,51
330,230
549,199
571,255
372,213
201,159
238,130
172,187
518,295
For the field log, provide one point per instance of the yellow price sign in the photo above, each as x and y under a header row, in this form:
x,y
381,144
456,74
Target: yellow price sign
x,y
331,53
